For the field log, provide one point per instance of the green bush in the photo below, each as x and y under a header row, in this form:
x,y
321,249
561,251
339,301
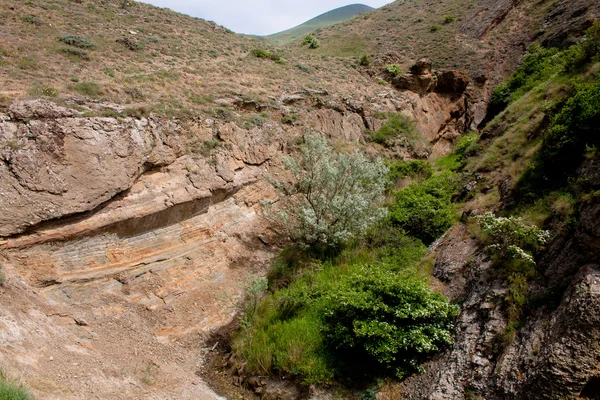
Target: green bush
x,y
400,169
311,41
302,330
510,239
12,390
449,19
465,147
364,60
434,28
90,89
266,54
380,321
396,127
32,19
75,52
334,196
77,41
393,69
424,209
131,44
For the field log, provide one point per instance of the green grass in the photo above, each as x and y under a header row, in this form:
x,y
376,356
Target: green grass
x,y
13,390
321,21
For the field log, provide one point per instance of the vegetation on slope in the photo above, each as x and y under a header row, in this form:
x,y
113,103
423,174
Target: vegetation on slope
x,y
13,390
361,309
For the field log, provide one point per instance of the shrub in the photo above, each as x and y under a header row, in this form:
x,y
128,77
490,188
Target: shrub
x,y
90,89
267,54
311,41
393,69
333,197
75,52
378,320
77,41
434,28
400,169
365,60
397,126
32,19
12,390
39,90
131,44
449,19
424,209
511,239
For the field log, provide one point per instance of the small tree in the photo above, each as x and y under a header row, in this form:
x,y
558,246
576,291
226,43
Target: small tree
x,y
333,196
511,238
311,41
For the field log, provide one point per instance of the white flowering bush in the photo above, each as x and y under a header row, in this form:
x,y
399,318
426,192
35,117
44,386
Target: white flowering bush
x,y
511,238
333,196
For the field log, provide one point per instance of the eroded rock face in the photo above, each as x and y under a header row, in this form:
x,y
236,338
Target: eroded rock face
x,y
555,353
55,163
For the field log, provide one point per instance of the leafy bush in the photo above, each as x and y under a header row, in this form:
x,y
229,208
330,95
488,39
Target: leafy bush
x,y
131,44
434,28
90,89
75,52
397,126
77,41
511,239
364,60
465,147
12,390
449,19
400,169
333,197
311,41
424,209
296,330
393,69
32,19
267,54
381,320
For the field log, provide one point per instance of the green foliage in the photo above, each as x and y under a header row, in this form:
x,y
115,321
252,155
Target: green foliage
x,y
465,147
90,89
364,60
131,44
382,320
536,65
393,69
400,169
303,329
449,19
311,41
32,19
397,128
75,52
40,90
510,239
77,41
424,209
289,119
267,54
434,28
12,390
334,196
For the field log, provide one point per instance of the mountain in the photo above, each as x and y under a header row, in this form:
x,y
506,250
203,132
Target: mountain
x,y
329,18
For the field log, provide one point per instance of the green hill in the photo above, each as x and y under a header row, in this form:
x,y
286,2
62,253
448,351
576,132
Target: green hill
x,y
326,19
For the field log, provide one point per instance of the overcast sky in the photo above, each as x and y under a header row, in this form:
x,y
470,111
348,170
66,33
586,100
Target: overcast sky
x,y
258,17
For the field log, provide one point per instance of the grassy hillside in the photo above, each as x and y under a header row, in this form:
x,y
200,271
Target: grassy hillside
x,y
323,20
137,54
458,34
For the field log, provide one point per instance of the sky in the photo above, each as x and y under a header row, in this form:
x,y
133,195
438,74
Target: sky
x,y
258,17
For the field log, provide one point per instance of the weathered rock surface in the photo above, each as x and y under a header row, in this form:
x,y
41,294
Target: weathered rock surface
x,y
57,163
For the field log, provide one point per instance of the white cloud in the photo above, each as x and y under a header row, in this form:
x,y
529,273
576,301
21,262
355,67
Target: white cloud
x,y
259,17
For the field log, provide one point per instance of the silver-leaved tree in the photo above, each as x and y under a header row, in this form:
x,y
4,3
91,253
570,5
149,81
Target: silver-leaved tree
x,y
333,196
